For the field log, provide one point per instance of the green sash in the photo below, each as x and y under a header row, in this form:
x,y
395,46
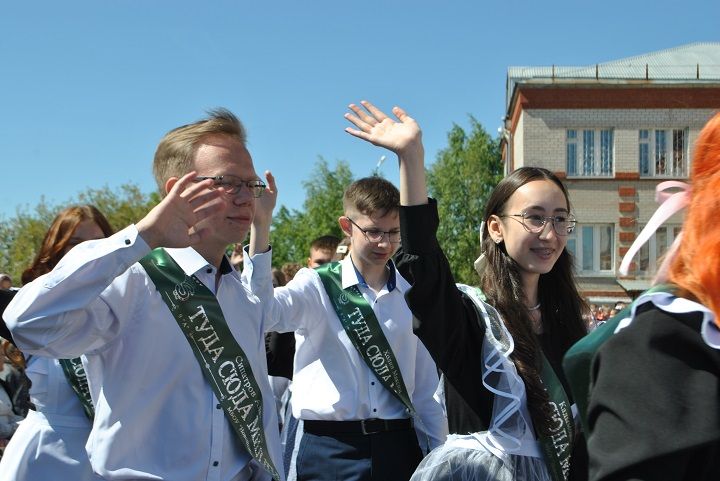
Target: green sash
x,y
557,446
363,329
222,360
578,359
75,375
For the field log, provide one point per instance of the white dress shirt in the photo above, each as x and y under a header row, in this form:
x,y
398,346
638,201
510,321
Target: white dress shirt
x,y
50,442
156,417
331,381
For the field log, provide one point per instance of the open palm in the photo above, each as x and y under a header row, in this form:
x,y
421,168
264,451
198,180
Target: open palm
x,y
376,127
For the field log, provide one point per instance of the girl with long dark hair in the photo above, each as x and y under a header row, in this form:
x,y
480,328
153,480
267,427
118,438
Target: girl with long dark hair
x,y
499,348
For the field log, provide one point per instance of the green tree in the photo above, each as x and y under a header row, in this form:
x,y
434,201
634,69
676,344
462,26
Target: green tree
x,y
461,180
293,231
21,236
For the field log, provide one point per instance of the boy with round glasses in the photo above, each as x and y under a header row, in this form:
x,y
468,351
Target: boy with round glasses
x,y
173,339
363,383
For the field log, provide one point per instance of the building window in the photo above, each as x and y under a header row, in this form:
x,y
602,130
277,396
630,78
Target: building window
x,y
593,248
589,152
663,153
651,254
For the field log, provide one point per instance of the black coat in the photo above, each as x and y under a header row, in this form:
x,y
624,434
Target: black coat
x,y
654,410
448,325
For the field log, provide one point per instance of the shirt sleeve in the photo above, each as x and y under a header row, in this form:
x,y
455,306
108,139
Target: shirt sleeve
x,y
78,306
653,410
286,308
444,320
434,425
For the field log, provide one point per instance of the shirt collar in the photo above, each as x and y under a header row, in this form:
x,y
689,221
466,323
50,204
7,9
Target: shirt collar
x,y
351,276
190,261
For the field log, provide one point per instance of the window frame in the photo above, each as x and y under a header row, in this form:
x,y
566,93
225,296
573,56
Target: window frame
x,y
593,152
577,237
649,160
671,232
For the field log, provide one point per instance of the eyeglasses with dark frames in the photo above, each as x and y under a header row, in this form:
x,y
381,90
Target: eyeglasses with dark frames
x,y
535,223
232,184
377,235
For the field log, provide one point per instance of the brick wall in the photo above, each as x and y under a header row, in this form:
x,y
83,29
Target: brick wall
x,y
624,200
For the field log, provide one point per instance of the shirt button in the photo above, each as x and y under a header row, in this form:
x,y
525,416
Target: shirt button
x,y
372,383
215,463
209,270
218,406
127,242
374,410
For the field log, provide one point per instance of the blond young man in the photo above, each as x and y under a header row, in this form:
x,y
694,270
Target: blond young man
x,y
143,317
363,384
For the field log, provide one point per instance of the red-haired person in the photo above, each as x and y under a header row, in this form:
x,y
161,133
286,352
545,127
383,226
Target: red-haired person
x,y
50,442
655,403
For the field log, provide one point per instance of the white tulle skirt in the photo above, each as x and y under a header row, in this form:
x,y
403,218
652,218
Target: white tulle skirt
x,y
508,450
454,461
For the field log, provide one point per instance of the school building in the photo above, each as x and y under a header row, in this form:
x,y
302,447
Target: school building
x,y
612,131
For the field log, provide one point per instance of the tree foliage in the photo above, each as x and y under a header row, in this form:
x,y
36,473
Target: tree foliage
x,y
461,180
21,236
293,231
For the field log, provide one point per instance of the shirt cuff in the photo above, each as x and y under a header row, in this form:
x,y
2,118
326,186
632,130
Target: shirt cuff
x,y
256,267
418,228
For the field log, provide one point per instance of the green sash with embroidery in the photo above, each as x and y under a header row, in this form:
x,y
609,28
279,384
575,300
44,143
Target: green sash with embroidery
x,y
75,375
222,360
363,329
557,445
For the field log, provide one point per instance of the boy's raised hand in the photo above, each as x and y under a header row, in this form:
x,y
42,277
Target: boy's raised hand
x,y
264,206
373,125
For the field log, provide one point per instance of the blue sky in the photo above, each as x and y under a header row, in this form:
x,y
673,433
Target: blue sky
x,y
87,88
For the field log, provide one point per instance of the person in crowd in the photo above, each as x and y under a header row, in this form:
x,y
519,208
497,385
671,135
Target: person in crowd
x,y
12,387
5,282
290,269
6,296
51,440
363,384
342,249
236,258
505,391
655,382
322,250
174,341
278,278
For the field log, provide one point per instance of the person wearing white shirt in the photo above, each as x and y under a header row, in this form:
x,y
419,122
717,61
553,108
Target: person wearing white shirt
x,y
156,414
50,442
354,428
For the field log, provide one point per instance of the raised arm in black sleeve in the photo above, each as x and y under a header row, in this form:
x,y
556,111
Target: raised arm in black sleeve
x,y
444,320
